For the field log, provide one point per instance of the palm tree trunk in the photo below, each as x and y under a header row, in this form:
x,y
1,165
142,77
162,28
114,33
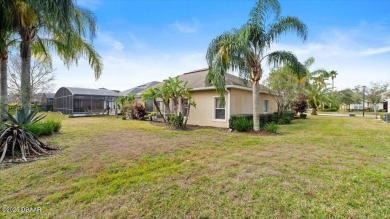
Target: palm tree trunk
x,y
332,83
3,85
25,54
188,114
167,111
256,102
314,111
175,105
158,109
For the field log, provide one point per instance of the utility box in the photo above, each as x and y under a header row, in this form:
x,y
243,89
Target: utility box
x,y
387,117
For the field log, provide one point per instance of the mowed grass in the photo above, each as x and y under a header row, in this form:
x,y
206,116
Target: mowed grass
x,y
322,167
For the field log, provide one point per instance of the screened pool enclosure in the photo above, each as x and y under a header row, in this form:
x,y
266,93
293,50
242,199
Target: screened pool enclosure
x,y
82,101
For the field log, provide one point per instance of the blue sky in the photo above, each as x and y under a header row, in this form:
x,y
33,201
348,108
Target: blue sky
x,y
144,40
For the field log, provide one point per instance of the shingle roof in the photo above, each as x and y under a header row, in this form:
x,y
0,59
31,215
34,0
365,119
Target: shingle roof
x,y
196,80
92,92
139,89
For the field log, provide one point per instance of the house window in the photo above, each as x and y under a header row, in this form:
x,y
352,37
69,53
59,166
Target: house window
x,y
219,112
149,105
185,107
265,106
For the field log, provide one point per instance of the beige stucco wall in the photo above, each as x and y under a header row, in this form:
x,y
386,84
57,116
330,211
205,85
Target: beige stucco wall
x,y
241,102
203,114
237,102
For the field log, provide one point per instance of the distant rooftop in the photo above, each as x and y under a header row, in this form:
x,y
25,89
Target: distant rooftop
x,y
139,89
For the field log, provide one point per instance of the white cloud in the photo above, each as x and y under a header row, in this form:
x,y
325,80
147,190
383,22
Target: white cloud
x,y
136,42
376,51
124,71
358,55
186,27
107,39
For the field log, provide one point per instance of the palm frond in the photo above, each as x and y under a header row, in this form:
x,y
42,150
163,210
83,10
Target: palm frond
x,y
287,24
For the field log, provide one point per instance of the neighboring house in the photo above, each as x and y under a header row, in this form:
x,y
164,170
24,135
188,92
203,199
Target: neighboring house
x,y
386,97
209,111
368,106
83,101
137,91
47,102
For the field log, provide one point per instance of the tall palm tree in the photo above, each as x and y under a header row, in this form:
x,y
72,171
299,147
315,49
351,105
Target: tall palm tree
x,y
246,48
333,75
58,25
6,40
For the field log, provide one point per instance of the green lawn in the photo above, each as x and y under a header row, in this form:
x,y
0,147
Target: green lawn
x,y
322,167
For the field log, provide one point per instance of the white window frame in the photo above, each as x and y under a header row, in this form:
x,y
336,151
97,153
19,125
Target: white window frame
x,y
264,106
215,108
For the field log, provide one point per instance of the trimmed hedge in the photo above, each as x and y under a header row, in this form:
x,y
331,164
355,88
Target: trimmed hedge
x,y
244,122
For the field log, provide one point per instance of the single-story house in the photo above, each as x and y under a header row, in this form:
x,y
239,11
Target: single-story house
x,y
209,111
83,101
47,101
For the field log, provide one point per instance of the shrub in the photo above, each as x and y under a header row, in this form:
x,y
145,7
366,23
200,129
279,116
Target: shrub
x,y
264,119
271,127
242,124
56,125
268,118
123,117
300,104
284,119
176,121
40,128
43,128
139,111
303,116
135,109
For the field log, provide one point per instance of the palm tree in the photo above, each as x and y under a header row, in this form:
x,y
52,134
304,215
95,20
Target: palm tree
x,y
333,75
246,48
152,94
176,90
316,95
6,40
63,26
121,101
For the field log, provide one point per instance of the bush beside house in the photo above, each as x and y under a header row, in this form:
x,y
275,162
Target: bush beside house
x,y
244,123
